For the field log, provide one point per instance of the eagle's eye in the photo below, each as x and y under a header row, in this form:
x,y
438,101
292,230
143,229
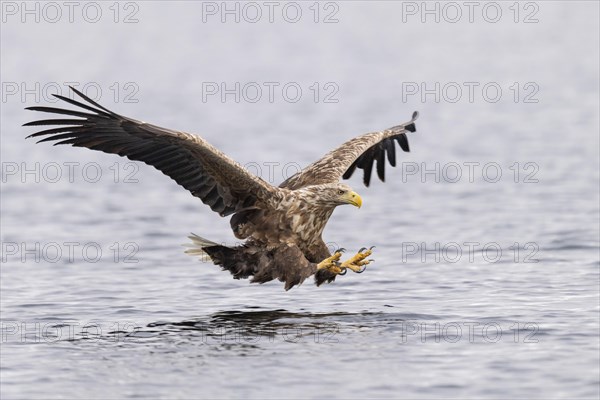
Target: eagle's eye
x,y
341,192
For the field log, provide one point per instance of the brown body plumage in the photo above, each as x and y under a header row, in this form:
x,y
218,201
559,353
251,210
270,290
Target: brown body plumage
x,y
282,226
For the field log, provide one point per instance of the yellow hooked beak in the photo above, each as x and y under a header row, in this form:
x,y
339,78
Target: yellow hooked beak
x,y
353,198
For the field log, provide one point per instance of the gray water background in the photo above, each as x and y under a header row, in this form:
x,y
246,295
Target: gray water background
x,y
414,325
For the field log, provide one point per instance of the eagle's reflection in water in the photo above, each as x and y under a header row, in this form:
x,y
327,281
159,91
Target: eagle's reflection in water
x,y
254,327
251,330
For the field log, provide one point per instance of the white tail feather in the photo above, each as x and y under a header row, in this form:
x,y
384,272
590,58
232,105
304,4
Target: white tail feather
x,y
196,248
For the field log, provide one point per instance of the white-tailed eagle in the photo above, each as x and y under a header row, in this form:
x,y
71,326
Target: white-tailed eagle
x,y
282,226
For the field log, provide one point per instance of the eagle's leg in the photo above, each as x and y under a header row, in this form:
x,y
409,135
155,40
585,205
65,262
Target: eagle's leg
x,y
357,263
332,264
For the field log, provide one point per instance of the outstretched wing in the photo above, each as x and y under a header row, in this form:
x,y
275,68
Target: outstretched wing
x,y
360,152
193,163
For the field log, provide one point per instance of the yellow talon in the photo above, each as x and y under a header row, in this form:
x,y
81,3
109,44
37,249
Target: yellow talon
x,y
358,261
332,264
355,263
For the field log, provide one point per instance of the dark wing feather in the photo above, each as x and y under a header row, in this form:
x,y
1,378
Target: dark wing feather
x,y
360,152
207,173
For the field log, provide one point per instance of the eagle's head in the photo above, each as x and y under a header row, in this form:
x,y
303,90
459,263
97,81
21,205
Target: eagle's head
x,y
333,195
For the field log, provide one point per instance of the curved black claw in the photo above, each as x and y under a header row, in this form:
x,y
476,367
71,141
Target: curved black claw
x,y
371,248
341,250
362,249
362,270
344,270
